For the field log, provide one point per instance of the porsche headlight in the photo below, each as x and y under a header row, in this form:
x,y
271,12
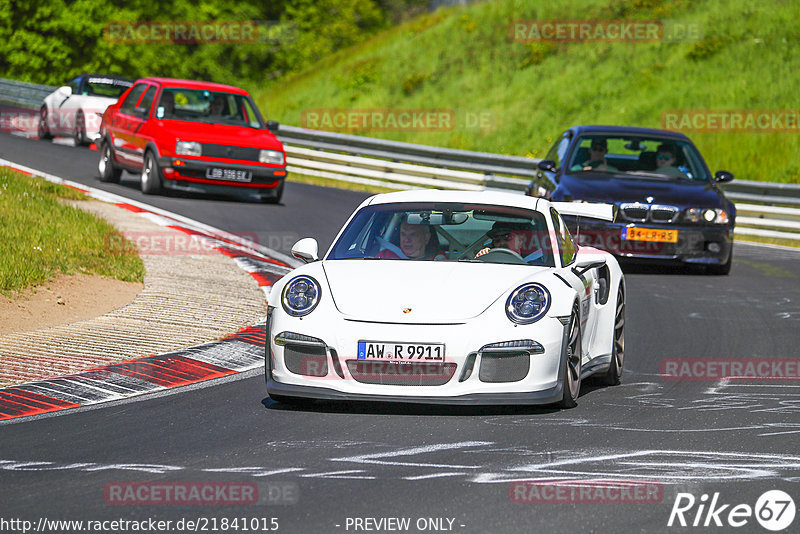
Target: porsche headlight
x,y
707,215
528,303
300,296
271,156
188,148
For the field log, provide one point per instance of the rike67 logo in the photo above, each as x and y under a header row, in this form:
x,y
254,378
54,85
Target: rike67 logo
x,y
774,510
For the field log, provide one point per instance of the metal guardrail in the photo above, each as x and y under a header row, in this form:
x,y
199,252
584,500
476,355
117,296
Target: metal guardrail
x,y
398,165
26,95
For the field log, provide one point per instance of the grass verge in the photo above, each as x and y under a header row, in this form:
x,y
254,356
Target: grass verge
x,y
40,237
767,240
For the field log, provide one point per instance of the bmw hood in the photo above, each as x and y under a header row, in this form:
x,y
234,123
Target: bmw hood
x,y
430,292
611,189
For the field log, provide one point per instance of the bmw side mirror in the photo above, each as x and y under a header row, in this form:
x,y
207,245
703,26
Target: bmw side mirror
x,y
140,112
723,176
306,249
547,165
273,126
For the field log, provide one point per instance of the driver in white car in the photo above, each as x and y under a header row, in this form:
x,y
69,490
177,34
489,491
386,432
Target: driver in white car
x,y
512,237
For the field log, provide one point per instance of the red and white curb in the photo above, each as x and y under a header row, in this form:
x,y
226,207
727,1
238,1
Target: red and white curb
x,y
239,352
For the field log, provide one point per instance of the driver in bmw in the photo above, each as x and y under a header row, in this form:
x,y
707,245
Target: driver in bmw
x,y
512,237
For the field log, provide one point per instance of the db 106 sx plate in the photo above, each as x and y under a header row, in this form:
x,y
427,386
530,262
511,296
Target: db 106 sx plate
x,y
233,175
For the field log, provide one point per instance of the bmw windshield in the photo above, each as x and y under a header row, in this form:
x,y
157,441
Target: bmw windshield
x,y
651,157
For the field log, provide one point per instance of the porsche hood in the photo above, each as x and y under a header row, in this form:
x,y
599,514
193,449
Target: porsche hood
x,y
429,292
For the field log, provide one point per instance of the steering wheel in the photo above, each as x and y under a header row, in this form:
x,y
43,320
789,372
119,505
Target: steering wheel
x,y
500,252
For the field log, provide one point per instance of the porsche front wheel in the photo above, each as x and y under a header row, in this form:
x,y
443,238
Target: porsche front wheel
x,y
571,373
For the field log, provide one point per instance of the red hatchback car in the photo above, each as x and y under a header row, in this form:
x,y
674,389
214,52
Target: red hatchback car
x,y
192,136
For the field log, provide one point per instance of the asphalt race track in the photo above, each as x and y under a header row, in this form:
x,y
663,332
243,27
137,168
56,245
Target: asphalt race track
x,y
349,467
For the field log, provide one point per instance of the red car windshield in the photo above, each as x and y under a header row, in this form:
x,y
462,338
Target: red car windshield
x,y
196,105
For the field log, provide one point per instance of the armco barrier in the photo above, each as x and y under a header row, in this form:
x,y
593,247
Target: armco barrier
x,y
26,95
398,165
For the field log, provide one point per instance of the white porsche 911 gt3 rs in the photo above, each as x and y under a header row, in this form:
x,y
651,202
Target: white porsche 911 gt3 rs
x,y
448,297
77,108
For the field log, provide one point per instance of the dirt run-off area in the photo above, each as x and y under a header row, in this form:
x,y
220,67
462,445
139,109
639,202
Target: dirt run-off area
x,y
64,299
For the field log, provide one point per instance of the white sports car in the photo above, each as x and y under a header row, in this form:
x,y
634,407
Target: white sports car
x,y
448,297
77,108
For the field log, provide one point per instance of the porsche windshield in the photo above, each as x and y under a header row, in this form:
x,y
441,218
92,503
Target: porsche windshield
x,y
446,232
108,87
207,106
653,157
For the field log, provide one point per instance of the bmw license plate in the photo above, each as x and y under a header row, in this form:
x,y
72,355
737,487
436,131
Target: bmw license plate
x,y
234,175
377,350
633,233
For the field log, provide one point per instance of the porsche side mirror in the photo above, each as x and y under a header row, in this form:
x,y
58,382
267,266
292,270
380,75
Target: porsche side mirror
x,y
306,249
65,90
587,265
723,176
547,165
273,126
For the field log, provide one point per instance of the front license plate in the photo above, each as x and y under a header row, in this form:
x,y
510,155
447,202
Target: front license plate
x,y
234,175
650,234
377,350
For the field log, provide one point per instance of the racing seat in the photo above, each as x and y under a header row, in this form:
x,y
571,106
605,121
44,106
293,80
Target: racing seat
x,y
647,161
581,156
528,243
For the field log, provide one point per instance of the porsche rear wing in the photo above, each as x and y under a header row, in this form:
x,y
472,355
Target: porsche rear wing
x,y
604,212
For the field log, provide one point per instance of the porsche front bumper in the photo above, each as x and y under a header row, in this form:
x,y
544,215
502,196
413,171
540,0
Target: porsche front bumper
x,y
473,372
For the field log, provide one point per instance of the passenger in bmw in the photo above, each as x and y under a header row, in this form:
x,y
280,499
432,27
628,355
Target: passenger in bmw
x,y
666,159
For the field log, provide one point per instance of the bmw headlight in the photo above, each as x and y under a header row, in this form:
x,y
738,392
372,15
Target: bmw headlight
x,y
271,156
528,303
300,296
188,148
707,215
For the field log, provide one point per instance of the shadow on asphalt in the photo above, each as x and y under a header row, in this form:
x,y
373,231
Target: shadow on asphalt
x,y
649,267
130,181
436,410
